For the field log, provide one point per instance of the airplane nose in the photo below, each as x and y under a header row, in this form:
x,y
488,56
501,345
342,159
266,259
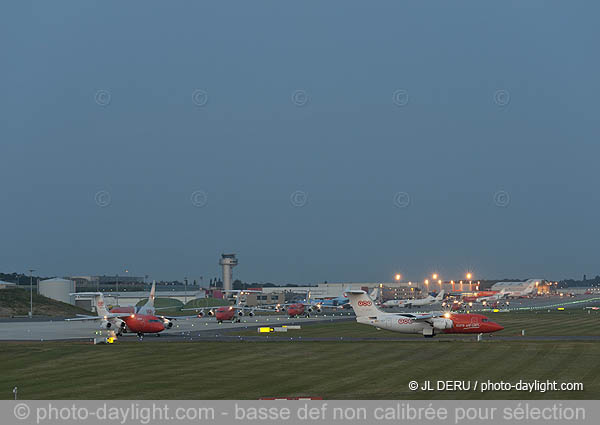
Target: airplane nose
x,y
497,327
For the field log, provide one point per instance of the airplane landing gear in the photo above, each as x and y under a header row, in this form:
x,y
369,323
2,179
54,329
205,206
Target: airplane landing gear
x,y
140,335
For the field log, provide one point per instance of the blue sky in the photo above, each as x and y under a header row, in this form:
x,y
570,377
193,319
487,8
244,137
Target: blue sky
x,y
338,141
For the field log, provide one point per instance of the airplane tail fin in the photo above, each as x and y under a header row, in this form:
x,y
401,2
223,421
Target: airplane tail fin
x,y
440,296
97,301
101,309
152,292
362,304
148,308
374,293
99,305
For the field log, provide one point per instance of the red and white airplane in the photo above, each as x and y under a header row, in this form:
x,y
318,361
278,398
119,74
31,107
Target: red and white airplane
x,y
427,324
478,296
140,320
229,312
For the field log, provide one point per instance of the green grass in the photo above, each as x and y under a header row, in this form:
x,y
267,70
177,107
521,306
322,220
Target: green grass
x,y
333,370
555,323
16,302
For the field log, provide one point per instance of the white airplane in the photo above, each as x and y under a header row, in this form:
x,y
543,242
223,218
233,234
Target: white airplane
x,y
426,324
419,302
527,288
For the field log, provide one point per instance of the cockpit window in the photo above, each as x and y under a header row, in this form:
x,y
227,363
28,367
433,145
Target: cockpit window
x,y
485,320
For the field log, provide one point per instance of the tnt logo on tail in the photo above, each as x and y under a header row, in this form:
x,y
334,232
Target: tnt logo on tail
x,y
362,304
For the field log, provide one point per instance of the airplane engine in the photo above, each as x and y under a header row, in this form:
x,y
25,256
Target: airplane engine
x,y
105,324
251,313
201,313
168,324
440,323
211,313
319,309
309,309
241,313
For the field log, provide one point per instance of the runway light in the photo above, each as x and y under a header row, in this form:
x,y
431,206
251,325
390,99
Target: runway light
x,y
447,315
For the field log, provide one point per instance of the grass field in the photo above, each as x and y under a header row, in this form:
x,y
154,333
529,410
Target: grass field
x,y
333,370
15,302
555,323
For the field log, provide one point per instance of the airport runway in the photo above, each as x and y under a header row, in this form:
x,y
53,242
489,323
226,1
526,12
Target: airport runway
x,y
87,330
207,329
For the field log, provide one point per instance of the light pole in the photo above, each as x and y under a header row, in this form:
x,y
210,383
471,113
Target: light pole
x,y
31,292
185,291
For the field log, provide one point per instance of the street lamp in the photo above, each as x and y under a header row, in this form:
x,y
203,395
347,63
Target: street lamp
x,y
398,276
185,294
434,276
31,292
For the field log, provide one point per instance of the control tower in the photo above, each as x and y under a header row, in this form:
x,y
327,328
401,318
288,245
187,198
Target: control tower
x,y
228,261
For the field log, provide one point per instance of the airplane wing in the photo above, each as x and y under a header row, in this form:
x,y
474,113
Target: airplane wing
x,y
339,306
272,310
177,317
210,307
81,317
106,316
425,316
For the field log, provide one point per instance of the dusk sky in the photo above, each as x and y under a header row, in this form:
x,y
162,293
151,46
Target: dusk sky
x,y
339,140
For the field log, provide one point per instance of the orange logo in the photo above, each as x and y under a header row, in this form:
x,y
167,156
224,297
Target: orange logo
x,y
364,303
404,321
